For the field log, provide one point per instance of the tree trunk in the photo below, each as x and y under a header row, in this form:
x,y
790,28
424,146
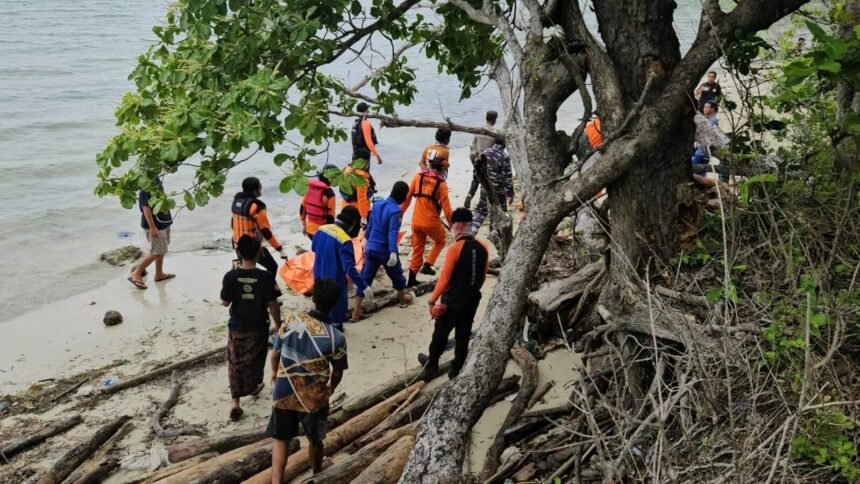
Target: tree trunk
x,y
440,449
25,443
102,462
175,468
81,452
221,443
387,468
347,468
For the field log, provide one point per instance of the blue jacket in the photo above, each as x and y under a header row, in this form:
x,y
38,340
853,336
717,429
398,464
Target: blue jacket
x,y
383,226
334,257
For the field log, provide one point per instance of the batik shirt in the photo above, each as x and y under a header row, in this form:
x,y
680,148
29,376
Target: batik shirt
x,y
310,349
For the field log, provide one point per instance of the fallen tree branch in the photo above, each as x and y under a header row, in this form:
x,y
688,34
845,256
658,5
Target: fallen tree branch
x,y
387,468
22,444
398,122
179,467
220,444
682,296
529,369
77,455
102,463
165,370
551,296
165,407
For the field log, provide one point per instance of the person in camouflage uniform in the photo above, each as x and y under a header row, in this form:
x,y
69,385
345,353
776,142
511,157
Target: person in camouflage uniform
x,y
501,176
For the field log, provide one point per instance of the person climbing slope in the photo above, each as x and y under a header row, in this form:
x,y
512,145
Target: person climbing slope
x,y
318,205
431,193
383,227
455,299
250,218
335,259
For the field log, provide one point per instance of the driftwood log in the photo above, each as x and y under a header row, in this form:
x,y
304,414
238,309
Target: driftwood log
x,y
165,407
348,468
103,462
388,467
22,444
81,452
173,469
245,461
341,436
164,370
222,443
552,295
529,369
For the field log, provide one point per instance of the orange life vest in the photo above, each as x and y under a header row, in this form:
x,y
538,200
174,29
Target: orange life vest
x,y
594,133
315,207
242,222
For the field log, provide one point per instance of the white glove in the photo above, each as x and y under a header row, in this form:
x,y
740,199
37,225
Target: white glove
x,y
283,252
392,260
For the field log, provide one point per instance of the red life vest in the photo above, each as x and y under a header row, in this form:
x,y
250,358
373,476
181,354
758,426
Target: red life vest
x,y
315,207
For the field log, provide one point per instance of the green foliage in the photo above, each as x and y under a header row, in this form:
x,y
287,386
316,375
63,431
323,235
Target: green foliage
x,y
228,78
827,439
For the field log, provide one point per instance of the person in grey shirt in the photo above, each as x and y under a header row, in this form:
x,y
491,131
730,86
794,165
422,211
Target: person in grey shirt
x,y
480,143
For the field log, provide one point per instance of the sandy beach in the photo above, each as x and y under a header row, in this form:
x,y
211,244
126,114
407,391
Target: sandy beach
x,y
181,318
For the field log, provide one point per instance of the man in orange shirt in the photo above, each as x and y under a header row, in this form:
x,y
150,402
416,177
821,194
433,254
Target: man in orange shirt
x,y
439,149
361,195
363,135
431,197
250,218
318,205
455,299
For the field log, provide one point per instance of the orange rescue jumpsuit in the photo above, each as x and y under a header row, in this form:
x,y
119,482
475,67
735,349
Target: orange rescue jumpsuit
x,y
431,194
362,202
435,150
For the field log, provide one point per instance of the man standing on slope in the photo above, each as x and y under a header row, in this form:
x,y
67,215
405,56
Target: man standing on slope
x,y
363,135
361,195
335,259
431,193
383,227
480,143
250,218
307,361
455,299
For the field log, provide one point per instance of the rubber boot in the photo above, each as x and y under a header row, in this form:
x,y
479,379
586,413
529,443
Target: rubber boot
x,y
413,281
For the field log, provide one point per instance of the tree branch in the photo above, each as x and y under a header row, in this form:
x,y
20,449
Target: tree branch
x,y
398,122
376,72
488,16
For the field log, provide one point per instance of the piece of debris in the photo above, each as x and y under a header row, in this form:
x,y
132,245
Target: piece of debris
x,y
112,318
122,256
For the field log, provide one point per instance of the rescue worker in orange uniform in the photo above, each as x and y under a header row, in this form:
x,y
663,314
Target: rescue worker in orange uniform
x,y
594,133
431,197
439,149
363,134
318,205
250,218
361,195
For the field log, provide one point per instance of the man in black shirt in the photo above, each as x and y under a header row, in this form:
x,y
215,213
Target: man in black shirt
x,y
709,91
252,295
157,227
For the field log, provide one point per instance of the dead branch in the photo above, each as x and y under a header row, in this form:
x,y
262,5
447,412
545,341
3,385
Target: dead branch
x,y
397,122
76,456
17,446
102,462
165,407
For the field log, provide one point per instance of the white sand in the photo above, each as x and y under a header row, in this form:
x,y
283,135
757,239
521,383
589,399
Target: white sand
x,y
182,317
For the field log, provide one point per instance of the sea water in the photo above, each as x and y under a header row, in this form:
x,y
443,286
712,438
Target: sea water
x,y
63,69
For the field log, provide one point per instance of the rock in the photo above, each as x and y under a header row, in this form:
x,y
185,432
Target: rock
x,y
112,318
4,405
122,256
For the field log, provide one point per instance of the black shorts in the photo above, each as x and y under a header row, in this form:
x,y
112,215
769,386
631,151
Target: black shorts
x,y
284,424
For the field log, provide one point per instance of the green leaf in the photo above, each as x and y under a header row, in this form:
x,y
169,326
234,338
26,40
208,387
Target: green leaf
x,y
279,160
715,294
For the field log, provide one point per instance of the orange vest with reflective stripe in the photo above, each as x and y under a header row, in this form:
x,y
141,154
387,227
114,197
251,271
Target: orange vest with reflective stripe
x,y
242,222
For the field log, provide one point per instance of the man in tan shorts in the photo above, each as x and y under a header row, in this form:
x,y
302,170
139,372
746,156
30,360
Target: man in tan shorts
x,y
157,228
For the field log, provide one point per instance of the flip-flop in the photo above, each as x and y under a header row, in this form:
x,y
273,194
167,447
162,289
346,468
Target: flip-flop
x,y
137,284
166,277
327,462
236,413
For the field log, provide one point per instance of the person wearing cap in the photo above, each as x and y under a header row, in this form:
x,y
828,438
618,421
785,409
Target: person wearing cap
x,y
334,258
361,195
363,135
480,143
456,296
318,204
431,197
249,217
439,149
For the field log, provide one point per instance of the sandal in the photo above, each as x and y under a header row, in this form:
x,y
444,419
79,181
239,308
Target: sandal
x,y
236,413
166,277
137,284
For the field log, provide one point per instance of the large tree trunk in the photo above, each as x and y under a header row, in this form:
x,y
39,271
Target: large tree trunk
x,y
641,41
